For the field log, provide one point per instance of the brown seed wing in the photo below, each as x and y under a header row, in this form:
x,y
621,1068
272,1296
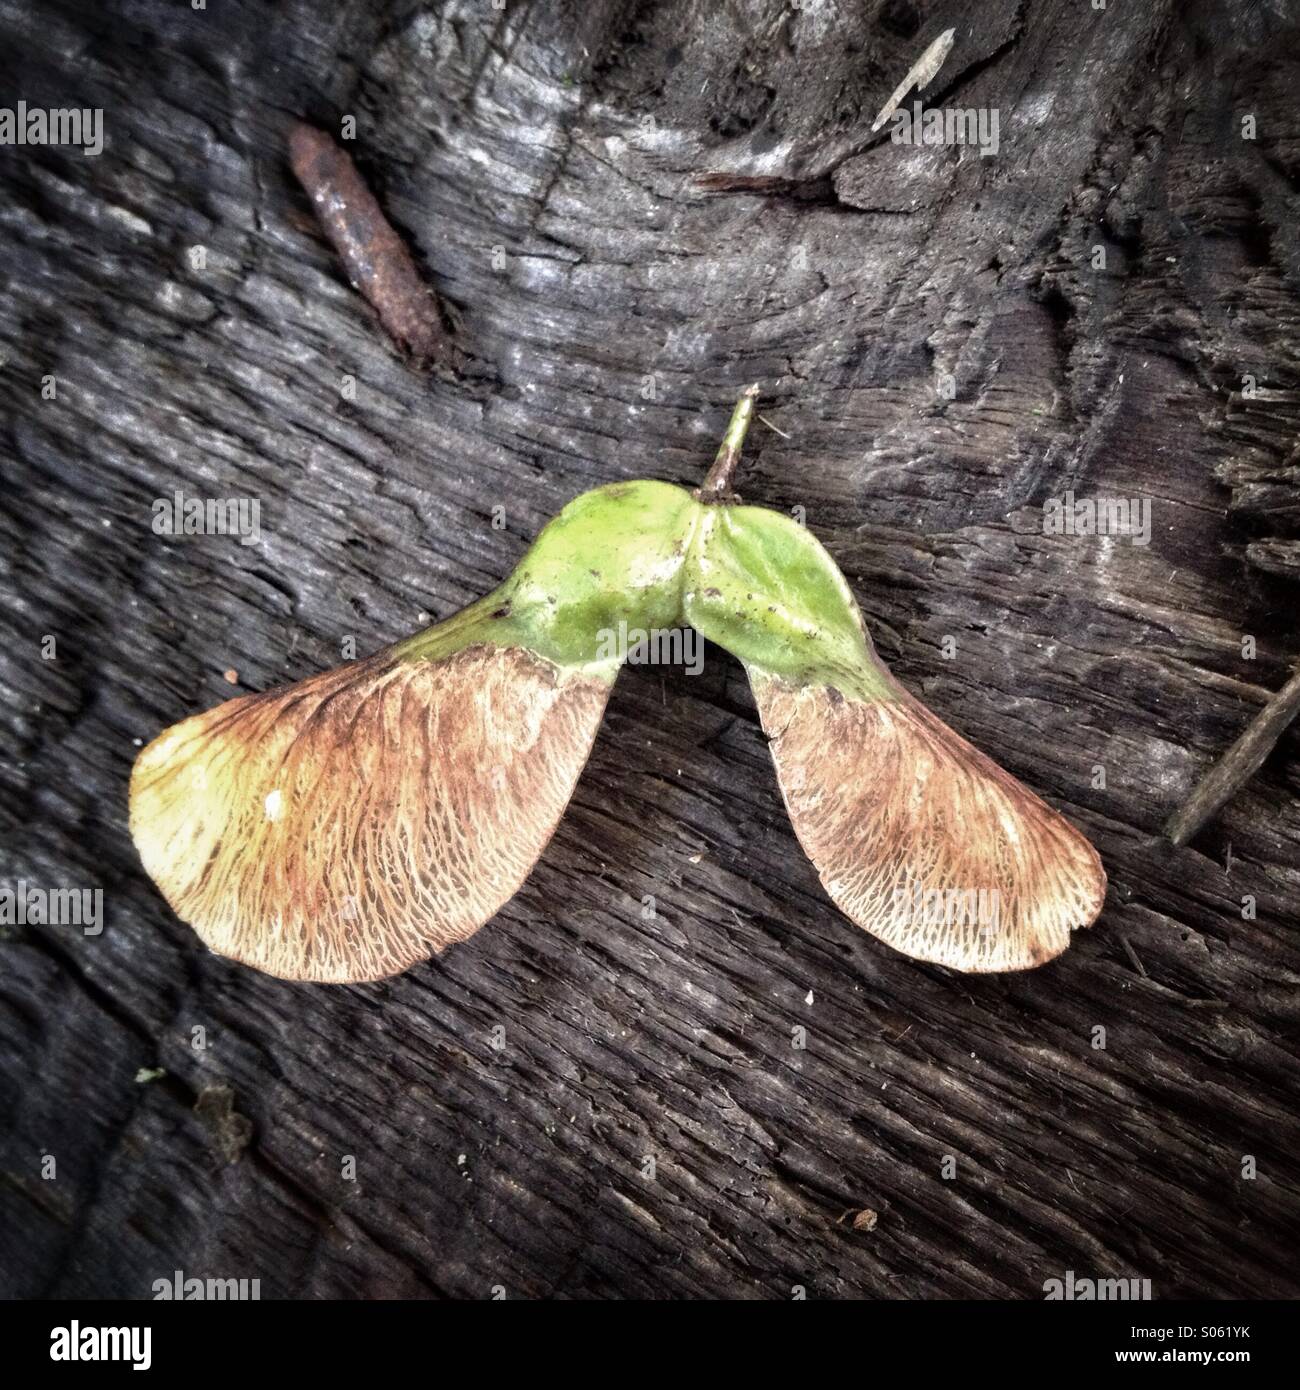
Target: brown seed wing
x,y
350,825
908,825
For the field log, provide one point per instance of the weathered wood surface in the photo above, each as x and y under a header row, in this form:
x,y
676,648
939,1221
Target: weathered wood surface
x,y
568,136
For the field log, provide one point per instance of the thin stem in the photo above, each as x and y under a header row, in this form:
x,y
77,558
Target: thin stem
x,y
1238,765
717,485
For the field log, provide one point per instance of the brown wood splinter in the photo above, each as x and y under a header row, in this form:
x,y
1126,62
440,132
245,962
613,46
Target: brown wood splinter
x,y
375,257
1238,765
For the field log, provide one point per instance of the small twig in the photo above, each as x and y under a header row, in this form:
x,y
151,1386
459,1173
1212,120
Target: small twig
x,y
811,190
774,428
1133,957
1238,765
374,256
919,75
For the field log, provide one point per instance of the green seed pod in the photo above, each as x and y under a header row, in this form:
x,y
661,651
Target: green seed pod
x,y
345,827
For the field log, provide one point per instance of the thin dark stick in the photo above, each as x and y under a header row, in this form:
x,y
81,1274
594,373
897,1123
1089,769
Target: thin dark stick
x,y
1238,765
818,190
374,256
1133,957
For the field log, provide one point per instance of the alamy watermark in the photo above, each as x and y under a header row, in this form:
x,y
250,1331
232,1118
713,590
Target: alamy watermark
x,y
1098,516
656,646
1073,1290
194,1290
179,515
57,907
918,906
77,1343
948,125
61,125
